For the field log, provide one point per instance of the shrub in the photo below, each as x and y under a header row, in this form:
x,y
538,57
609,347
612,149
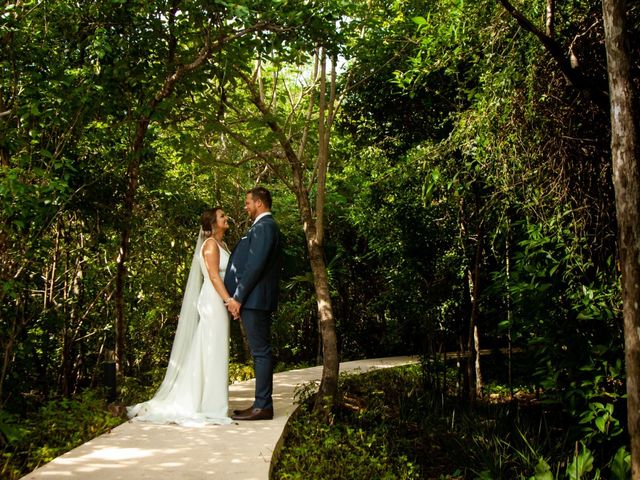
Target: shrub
x,y
57,427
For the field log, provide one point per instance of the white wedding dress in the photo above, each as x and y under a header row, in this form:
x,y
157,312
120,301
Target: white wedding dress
x,y
195,389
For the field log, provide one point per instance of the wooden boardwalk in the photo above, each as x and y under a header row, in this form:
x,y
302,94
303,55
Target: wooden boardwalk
x,y
240,451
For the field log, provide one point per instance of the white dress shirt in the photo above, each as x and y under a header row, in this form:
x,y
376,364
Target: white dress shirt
x,y
263,214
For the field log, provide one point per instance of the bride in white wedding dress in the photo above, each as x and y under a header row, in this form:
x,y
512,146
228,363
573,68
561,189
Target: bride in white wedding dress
x,y
195,389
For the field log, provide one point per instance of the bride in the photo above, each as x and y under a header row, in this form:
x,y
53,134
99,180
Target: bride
x,y
195,389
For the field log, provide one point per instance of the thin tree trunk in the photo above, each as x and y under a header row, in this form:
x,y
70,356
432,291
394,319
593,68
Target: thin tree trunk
x,y
6,360
133,172
509,314
460,382
331,362
626,181
466,314
574,76
329,381
326,322
442,356
61,255
475,306
478,371
550,27
470,378
75,322
470,312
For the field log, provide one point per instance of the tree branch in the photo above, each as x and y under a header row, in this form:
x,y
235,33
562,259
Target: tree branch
x,y
574,76
307,123
270,120
323,147
551,10
265,157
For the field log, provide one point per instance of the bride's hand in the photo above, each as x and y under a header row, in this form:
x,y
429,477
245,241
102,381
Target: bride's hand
x,y
234,308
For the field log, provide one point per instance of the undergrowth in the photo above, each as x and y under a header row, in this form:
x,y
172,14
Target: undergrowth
x,y
390,424
57,427
52,428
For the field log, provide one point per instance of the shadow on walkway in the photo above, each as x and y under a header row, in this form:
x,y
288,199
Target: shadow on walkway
x,y
240,451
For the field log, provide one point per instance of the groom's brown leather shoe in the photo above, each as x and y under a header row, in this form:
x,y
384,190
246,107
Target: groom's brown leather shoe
x,y
256,414
244,411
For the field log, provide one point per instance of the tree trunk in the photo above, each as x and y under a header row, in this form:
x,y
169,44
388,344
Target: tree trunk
x,y
509,313
550,21
6,358
313,233
471,300
475,306
329,383
466,308
476,341
626,181
575,76
326,321
133,172
470,377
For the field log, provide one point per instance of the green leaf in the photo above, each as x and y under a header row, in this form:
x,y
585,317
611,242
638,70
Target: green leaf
x,y
543,471
621,465
581,464
601,423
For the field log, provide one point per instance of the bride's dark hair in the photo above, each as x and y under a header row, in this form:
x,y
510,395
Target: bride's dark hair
x,y
208,220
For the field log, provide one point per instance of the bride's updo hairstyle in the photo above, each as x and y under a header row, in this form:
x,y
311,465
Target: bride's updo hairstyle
x,y
208,221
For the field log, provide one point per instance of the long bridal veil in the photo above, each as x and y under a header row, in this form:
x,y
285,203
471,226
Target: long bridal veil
x,y
187,324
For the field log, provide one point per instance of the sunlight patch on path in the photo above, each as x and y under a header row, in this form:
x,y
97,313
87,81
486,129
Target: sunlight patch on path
x,y
240,451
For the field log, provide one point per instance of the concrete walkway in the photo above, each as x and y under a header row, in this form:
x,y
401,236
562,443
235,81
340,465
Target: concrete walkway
x,y
240,451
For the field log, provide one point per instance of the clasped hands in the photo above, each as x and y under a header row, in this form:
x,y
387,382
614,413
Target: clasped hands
x,y
234,308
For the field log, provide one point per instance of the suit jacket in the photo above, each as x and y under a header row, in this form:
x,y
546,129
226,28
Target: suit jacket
x,y
253,271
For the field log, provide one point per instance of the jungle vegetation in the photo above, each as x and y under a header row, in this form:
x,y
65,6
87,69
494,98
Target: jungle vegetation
x,y
442,174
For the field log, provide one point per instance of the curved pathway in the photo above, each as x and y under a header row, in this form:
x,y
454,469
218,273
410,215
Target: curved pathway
x,y
240,451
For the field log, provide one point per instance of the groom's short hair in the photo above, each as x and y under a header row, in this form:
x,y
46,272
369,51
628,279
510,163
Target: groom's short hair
x,y
262,194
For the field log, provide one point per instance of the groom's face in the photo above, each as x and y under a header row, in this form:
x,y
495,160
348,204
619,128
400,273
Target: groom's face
x,y
251,206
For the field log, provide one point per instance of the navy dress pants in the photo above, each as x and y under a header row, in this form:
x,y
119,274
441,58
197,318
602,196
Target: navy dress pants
x,y
257,326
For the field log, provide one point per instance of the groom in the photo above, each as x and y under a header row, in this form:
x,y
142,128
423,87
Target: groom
x,y
252,280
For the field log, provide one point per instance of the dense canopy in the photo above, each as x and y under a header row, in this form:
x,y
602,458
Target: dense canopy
x,y
441,172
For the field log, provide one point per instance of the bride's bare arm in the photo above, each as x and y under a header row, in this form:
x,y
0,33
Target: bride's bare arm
x,y
211,253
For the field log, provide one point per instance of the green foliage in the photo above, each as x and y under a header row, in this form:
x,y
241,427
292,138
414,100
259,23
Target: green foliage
x,y
542,471
388,421
581,464
239,372
603,419
395,284
457,133
514,177
359,442
57,427
621,464
344,453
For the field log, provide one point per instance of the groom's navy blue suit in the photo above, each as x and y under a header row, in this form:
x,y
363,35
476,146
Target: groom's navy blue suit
x,y
252,278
